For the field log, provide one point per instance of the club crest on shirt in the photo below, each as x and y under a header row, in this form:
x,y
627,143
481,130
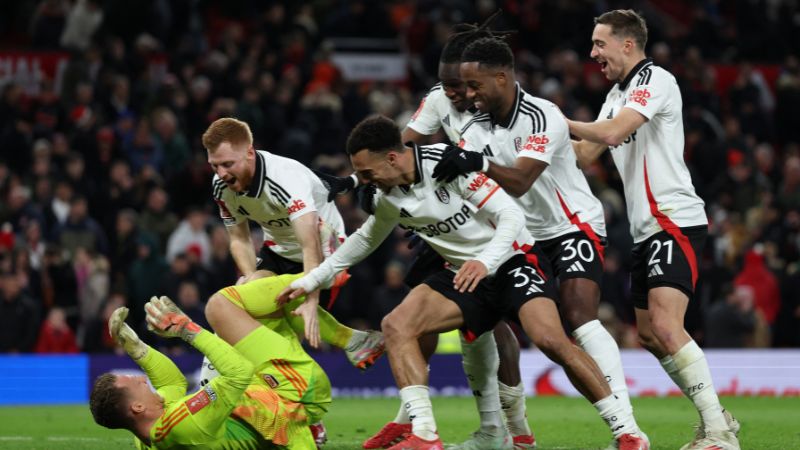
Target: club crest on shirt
x,y
270,380
443,195
518,143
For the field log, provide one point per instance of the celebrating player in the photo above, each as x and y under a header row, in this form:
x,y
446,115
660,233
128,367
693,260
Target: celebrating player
x,y
522,142
447,107
289,202
268,392
476,227
642,122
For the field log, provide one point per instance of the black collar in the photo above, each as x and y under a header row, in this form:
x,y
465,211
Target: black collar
x,y
639,66
257,183
508,121
417,162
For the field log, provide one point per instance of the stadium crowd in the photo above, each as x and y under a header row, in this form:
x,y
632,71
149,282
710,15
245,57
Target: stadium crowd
x,y
106,192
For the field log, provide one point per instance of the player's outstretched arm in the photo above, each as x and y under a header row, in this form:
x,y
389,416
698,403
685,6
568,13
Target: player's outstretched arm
x,y
166,319
162,372
336,185
306,228
587,152
242,247
610,132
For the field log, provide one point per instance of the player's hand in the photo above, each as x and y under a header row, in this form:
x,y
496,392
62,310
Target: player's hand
x,y
457,161
469,275
124,335
164,318
308,311
366,198
336,185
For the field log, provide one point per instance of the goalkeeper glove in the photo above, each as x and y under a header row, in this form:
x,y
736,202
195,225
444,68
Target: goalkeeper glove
x,y
164,318
124,334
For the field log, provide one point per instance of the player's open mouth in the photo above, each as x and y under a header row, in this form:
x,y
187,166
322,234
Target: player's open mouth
x,y
230,182
603,65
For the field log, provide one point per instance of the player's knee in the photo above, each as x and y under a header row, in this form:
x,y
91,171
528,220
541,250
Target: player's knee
x,y
215,308
395,326
665,329
551,345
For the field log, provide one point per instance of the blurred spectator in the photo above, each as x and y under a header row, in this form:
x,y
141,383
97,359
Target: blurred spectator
x,y
123,247
59,286
389,294
191,236
93,280
80,230
730,322
55,335
757,276
83,20
145,277
222,270
19,317
156,219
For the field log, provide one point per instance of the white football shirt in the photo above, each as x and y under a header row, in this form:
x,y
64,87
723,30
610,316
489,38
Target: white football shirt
x,y
560,200
658,188
282,190
459,220
436,111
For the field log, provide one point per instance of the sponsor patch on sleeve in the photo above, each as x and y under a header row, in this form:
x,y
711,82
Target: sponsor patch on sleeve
x,y
198,401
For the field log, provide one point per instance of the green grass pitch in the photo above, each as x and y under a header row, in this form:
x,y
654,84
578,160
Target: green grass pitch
x,y
559,423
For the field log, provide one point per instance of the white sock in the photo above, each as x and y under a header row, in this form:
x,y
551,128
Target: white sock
x,y
481,361
402,415
694,379
512,399
417,402
595,340
619,421
355,340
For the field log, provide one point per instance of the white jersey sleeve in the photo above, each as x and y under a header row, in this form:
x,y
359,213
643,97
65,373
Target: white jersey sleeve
x,y
291,188
485,194
547,134
426,120
651,93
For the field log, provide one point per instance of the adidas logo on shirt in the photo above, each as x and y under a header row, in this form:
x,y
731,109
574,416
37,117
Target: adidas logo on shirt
x,y
655,271
576,267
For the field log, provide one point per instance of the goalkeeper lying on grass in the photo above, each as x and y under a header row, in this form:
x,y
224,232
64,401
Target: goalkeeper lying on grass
x,y
268,392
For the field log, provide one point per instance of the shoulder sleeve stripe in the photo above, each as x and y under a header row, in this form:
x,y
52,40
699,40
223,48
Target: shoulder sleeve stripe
x,y
218,188
537,115
644,77
160,435
278,191
475,119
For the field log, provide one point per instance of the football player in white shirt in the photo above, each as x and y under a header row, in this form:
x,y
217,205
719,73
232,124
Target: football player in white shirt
x,y
522,142
446,107
289,203
493,274
642,122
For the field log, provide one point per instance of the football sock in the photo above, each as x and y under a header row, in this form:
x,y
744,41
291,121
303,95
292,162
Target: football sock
x,y
619,421
512,399
417,402
481,361
694,379
595,340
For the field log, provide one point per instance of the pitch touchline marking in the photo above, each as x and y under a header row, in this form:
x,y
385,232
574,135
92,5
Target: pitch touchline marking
x,y
16,438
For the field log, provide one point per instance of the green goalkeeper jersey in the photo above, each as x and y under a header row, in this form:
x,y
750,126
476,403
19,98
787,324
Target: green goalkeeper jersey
x,y
228,413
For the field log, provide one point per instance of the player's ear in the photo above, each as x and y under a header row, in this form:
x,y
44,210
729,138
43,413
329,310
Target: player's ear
x,y
136,407
501,78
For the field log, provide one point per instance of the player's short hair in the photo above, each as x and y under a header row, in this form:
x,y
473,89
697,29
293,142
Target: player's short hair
x,y
465,34
108,403
376,134
228,130
489,52
625,23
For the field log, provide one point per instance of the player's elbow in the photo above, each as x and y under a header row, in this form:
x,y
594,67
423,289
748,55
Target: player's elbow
x,y
613,139
520,187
